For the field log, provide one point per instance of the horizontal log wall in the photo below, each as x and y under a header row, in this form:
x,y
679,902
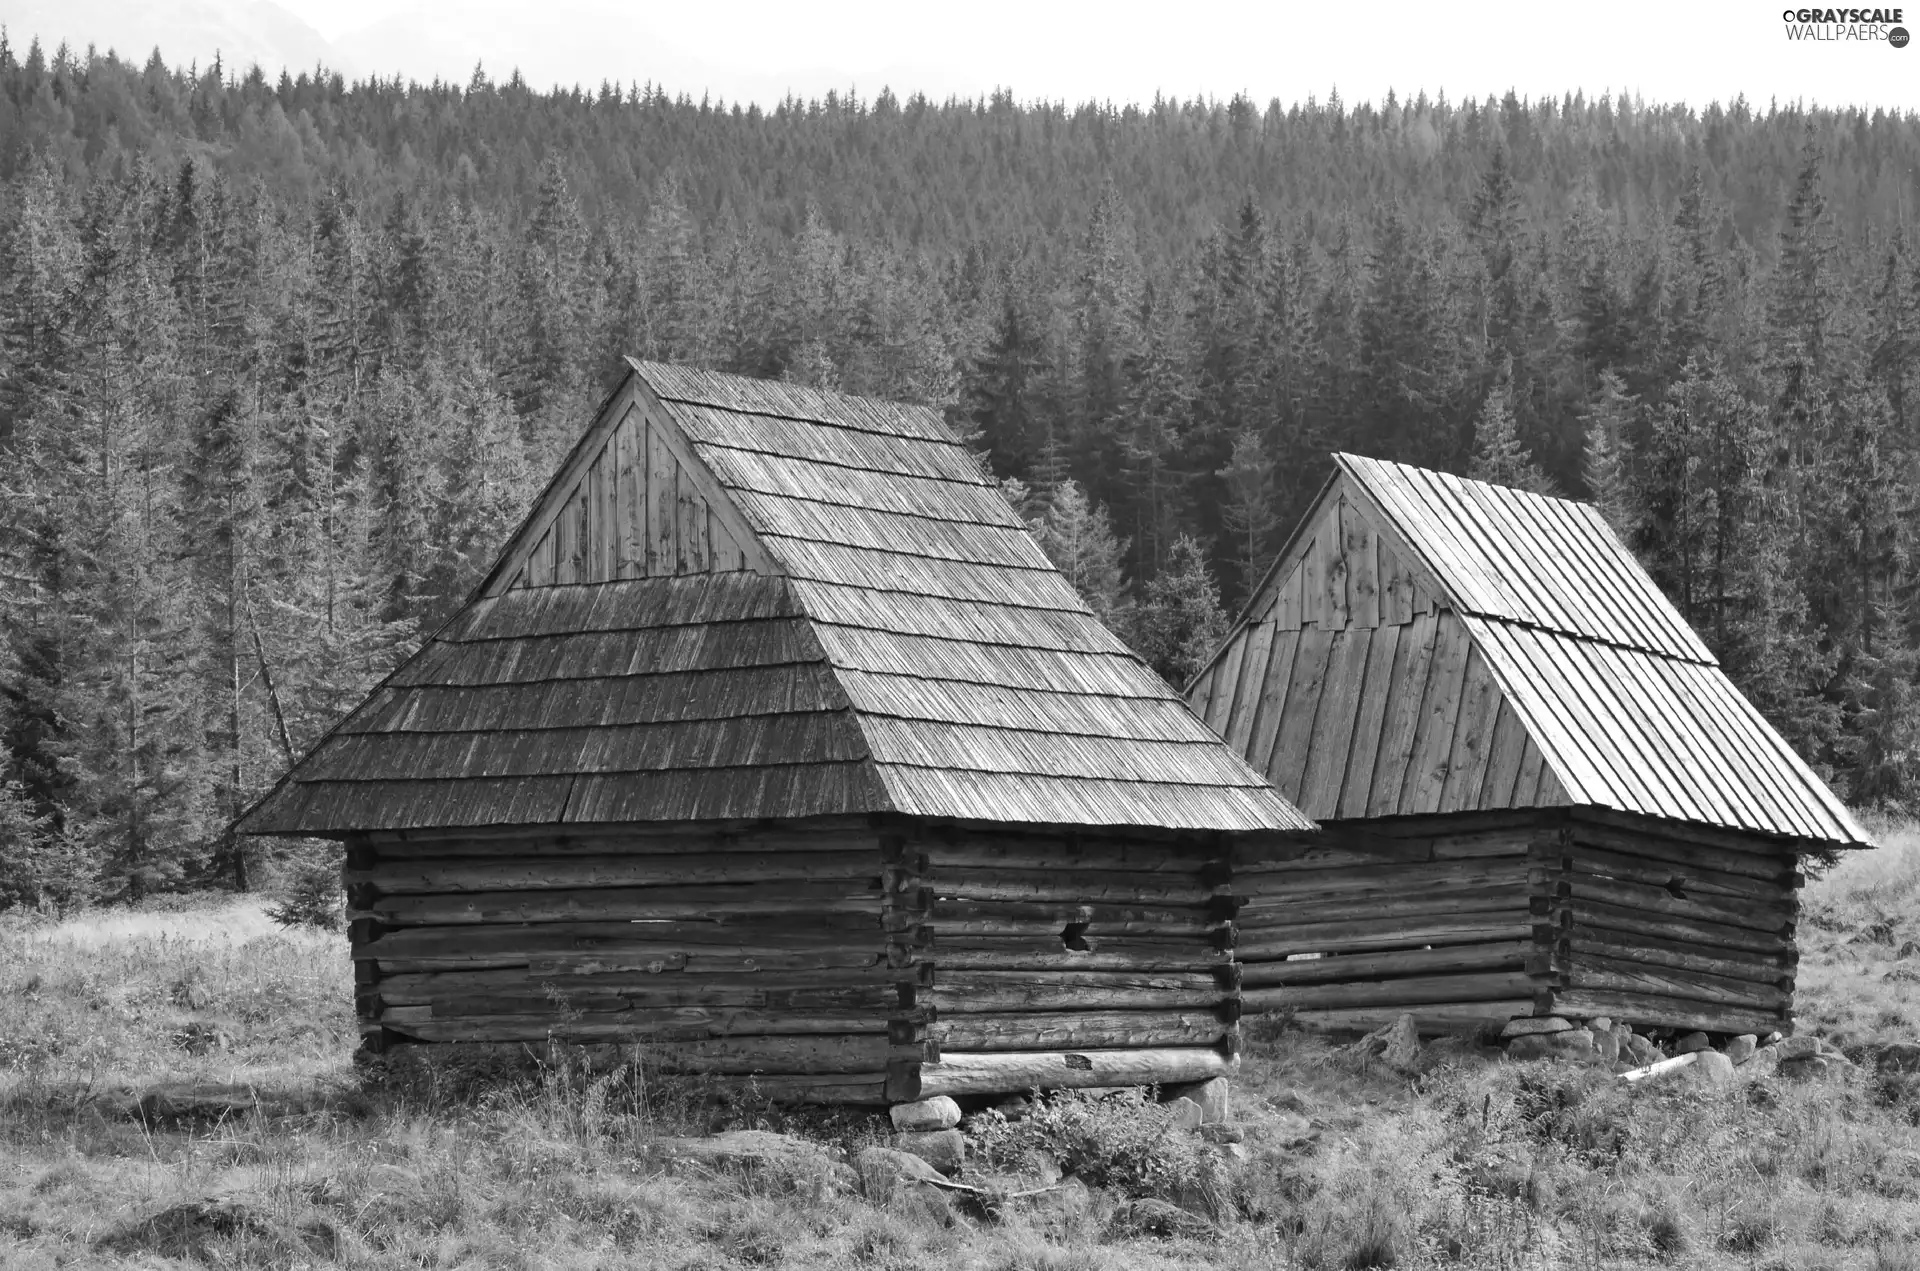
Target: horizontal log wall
x,y
786,955
1051,944
1668,925
1434,918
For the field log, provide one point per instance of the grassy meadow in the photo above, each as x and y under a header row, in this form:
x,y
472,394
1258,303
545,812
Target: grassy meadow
x,y
316,1161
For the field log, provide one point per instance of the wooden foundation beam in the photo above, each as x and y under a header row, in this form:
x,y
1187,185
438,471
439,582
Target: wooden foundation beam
x,y
988,1072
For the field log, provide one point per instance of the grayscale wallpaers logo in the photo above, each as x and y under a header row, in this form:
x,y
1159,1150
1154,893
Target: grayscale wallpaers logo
x,y
1846,26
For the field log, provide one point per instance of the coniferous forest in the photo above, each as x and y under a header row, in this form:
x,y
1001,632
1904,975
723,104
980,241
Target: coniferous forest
x,y
283,363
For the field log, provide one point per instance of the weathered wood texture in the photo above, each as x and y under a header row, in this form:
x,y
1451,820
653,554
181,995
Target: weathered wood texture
x,y
1360,694
1430,644
791,954
1048,942
1651,924
1434,920
632,502
1469,919
843,956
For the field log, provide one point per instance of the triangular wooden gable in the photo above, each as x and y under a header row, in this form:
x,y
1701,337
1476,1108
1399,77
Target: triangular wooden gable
x,y
632,500
1353,684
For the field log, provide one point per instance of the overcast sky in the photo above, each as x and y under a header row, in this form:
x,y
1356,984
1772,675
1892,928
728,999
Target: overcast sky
x,y
755,50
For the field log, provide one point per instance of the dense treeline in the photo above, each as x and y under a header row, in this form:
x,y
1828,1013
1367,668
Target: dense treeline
x,y
281,364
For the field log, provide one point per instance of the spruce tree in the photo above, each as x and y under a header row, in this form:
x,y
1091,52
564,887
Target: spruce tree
x,y
1498,455
1180,620
1607,458
1078,538
1250,517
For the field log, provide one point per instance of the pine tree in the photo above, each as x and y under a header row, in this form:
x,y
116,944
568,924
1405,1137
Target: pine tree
x,y
1498,455
1078,538
1606,467
1180,620
1250,516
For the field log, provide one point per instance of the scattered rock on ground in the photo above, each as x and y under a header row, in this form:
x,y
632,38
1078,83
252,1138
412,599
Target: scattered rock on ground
x,y
1220,1132
1526,1027
1186,1113
1690,1043
1600,1024
1606,1046
1212,1095
888,1177
1711,1068
1397,1045
1159,1218
937,1113
1817,1067
1740,1049
1764,1063
1797,1048
945,1150
1641,1051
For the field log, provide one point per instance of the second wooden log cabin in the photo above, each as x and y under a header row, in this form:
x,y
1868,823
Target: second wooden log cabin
x,y
1573,810
773,743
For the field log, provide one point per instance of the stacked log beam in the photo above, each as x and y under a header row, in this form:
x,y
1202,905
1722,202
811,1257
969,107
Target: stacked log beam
x,y
1669,925
791,959
1431,918
1052,945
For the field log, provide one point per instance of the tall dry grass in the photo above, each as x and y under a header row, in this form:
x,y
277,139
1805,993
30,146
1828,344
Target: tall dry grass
x,y
1471,1164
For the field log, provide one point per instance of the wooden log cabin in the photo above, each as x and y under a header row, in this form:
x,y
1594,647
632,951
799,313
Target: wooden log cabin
x,y
1575,812
774,744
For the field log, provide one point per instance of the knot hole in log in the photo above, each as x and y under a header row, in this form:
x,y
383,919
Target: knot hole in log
x,y
1074,936
1676,888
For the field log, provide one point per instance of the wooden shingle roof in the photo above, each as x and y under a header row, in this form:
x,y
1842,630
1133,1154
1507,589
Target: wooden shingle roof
x,y
1628,707
910,649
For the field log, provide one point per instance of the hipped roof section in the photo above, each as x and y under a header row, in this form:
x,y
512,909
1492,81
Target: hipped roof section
x,y
1628,707
917,653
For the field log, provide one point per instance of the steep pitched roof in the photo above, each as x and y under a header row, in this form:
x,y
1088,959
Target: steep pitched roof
x,y
910,649
1628,707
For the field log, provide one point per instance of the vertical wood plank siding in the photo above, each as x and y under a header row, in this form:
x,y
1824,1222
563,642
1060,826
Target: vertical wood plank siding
x,y
1364,697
